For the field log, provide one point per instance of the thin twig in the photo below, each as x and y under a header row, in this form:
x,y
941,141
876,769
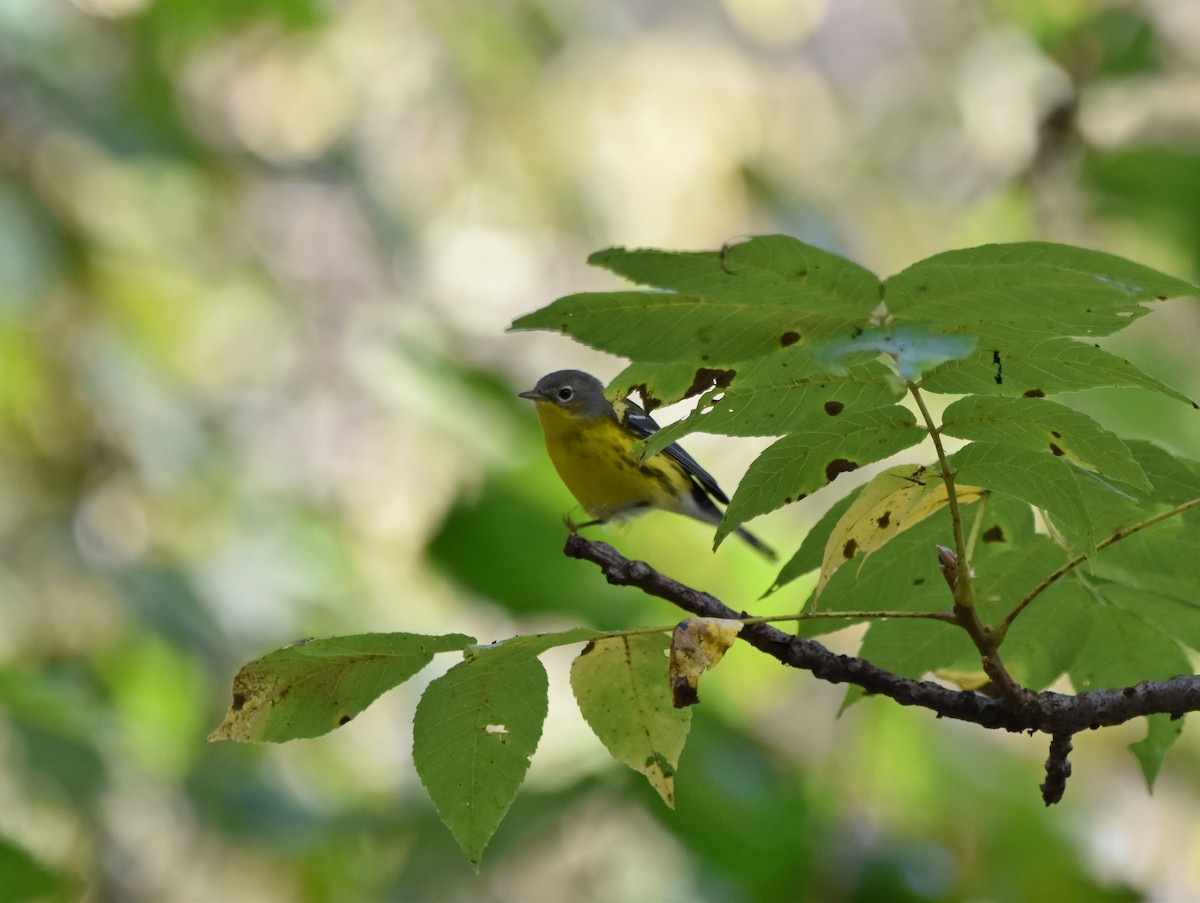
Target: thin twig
x,y
1002,629
964,594
871,615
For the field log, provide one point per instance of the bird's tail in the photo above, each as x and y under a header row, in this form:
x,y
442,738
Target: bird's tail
x,y
764,549
697,504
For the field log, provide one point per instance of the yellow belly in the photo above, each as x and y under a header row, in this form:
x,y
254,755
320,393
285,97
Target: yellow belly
x,y
595,461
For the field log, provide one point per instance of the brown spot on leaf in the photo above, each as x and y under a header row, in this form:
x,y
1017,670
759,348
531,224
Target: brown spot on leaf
x,y
650,401
833,408
800,274
994,534
884,519
707,378
918,581
345,719
1034,393
1056,434
1056,451
849,549
239,700
837,466
790,337
683,694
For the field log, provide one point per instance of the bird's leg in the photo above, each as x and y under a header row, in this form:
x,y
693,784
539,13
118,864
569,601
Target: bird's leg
x,y
574,527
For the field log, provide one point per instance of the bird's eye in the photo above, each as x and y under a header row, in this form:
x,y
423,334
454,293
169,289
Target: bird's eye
x,y
566,393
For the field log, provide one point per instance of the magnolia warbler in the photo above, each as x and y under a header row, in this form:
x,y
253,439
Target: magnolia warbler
x,y
591,442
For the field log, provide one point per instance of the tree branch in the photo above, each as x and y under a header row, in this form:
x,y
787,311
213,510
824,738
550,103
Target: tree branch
x,y
957,568
1057,714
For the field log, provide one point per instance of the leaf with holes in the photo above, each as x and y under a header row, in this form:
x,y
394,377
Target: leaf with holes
x,y
473,734
1038,368
663,384
762,402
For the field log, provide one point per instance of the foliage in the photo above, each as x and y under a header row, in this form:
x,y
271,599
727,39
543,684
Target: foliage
x,y
254,386
777,337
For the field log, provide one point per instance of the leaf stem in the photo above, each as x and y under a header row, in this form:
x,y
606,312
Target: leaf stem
x,y
1002,629
965,614
964,596
943,616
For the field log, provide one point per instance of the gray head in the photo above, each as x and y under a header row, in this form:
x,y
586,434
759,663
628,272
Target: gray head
x,y
577,392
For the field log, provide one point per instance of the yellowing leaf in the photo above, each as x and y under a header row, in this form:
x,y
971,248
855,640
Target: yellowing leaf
x,y
314,686
897,499
618,683
697,645
965,680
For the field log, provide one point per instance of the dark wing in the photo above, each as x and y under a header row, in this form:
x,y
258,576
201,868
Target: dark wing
x,y
641,423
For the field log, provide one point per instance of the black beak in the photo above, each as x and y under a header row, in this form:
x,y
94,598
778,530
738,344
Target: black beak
x,y
532,393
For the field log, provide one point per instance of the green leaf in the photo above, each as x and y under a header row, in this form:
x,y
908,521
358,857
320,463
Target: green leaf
x,y
1034,369
474,731
1045,639
913,647
768,293
1176,480
902,576
1154,574
1041,479
313,686
530,644
1161,733
783,393
775,270
1039,425
808,556
662,328
799,464
24,878
1028,289
623,693
1122,649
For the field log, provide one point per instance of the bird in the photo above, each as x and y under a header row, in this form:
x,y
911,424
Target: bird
x,y
591,442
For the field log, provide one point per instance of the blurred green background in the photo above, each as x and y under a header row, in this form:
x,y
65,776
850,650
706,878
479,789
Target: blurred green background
x,y
256,263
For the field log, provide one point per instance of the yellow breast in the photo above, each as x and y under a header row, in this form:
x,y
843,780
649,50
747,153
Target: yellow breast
x,y
595,460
